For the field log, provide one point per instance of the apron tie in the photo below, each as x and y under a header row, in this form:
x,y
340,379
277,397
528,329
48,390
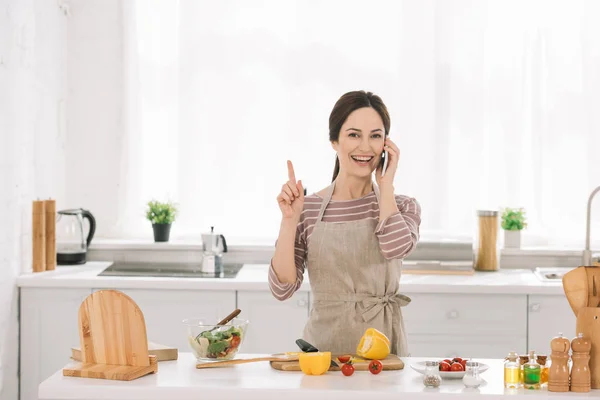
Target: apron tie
x,y
375,304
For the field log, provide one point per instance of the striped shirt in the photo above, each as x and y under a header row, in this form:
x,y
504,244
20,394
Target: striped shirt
x,y
398,234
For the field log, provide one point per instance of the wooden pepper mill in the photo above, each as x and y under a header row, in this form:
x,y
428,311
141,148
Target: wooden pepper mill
x,y
558,376
581,380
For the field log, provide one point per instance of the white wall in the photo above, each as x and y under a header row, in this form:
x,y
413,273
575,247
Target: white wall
x,y
95,119
32,147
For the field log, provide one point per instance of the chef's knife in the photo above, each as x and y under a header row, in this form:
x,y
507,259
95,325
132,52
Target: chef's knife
x,y
309,348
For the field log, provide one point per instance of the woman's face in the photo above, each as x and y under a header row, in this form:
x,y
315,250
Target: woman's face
x,y
360,143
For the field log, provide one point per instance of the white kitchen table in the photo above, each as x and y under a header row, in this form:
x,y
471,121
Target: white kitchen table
x,y
181,380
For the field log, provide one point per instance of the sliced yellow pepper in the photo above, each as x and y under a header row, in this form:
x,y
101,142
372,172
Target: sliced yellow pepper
x,y
374,345
316,363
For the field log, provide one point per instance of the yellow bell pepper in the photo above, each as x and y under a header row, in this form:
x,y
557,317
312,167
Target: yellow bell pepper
x,y
374,345
316,363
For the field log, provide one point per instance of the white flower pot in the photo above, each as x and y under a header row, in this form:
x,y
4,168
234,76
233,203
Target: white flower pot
x,y
512,239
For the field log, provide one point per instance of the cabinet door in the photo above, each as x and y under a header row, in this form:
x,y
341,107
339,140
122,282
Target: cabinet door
x,y
465,346
548,316
164,311
274,325
49,328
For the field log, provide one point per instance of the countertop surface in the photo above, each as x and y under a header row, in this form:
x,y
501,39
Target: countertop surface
x,y
181,380
254,277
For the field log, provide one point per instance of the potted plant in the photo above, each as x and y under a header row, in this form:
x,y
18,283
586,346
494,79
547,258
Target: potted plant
x,y
513,222
161,215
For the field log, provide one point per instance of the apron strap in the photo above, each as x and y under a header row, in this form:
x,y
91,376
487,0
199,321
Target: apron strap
x,y
326,201
329,194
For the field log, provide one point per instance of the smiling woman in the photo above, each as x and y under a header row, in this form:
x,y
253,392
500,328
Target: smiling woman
x,y
350,236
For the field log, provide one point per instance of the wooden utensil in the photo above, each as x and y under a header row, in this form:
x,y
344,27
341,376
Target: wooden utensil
x,y
283,357
162,353
112,334
390,363
231,316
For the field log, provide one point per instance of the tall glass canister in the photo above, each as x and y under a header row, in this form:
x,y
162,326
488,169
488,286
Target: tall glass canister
x,y
486,255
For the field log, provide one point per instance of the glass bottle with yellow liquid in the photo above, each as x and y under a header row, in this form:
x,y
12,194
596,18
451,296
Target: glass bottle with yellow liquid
x,y
512,371
523,359
542,360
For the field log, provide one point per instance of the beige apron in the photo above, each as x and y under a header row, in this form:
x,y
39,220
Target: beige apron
x,y
353,286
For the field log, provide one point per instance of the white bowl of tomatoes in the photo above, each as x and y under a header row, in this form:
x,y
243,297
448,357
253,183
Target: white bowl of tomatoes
x,y
450,368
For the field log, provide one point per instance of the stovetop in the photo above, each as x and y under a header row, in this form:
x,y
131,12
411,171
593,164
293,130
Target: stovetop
x,y
169,270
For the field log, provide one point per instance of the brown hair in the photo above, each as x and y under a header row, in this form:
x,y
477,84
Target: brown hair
x,y
348,103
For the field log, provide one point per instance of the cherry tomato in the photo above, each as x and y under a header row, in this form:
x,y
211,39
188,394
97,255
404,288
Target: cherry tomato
x,y
235,341
444,366
344,359
456,367
448,361
464,364
457,360
347,369
375,367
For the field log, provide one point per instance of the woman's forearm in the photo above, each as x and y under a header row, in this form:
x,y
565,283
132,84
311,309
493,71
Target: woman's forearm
x,y
387,202
283,259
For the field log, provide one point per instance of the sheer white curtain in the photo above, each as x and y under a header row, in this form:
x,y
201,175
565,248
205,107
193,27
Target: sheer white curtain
x,y
493,103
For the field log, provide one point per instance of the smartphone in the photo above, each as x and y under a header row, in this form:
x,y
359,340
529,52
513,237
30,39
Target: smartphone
x,y
384,160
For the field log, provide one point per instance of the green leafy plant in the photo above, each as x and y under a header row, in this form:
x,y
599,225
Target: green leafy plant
x,y
513,219
161,213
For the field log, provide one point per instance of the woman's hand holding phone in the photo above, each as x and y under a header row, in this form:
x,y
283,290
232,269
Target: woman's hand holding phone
x,y
392,156
291,197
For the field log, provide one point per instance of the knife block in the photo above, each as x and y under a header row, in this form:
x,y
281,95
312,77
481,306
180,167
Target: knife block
x,y
582,288
112,335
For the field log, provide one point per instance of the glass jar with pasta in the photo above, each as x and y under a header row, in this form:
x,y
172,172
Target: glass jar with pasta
x,y
486,255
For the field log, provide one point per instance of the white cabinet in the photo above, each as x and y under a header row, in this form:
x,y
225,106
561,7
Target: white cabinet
x,y
466,325
465,346
274,325
549,316
164,311
49,328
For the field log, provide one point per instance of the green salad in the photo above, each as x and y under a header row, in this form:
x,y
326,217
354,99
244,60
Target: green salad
x,y
217,345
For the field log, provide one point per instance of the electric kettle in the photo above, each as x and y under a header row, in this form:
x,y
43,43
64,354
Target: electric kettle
x,y
71,242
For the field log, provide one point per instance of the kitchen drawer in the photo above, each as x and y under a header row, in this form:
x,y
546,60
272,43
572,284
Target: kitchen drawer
x,y
465,346
466,314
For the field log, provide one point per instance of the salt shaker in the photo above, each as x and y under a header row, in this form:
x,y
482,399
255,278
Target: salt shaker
x,y
471,378
558,375
432,376
580,372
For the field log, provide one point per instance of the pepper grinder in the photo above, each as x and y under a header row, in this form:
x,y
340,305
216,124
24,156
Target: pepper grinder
x,y
558,376
581,380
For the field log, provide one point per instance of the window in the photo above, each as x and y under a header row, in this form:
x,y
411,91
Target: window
x,y
493,104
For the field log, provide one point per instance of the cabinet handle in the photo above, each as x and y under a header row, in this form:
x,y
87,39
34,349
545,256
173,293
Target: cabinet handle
x,y
535,307
301,303
453,314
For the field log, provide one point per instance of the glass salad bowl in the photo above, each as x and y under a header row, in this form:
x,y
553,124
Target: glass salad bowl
x,y
215,342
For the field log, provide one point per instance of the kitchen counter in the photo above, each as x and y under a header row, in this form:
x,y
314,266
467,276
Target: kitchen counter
x,y
181,380
254,277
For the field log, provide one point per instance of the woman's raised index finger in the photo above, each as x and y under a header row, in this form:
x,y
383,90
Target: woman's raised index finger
x,y
291,175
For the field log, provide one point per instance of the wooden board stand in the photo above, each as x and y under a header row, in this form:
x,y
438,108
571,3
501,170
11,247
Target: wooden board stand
x,y
112,335
582,288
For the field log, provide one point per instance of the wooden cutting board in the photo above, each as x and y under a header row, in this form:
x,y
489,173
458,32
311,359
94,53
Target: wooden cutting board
x,y
112,336
162,353
391,363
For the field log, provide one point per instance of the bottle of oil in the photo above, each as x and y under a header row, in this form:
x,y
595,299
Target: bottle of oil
x,y
523,359
531,373
512,371
541,359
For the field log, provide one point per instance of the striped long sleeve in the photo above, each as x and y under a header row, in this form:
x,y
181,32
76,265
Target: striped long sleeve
x,y
399,233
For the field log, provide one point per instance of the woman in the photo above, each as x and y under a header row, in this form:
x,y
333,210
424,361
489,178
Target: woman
x,y
351,236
